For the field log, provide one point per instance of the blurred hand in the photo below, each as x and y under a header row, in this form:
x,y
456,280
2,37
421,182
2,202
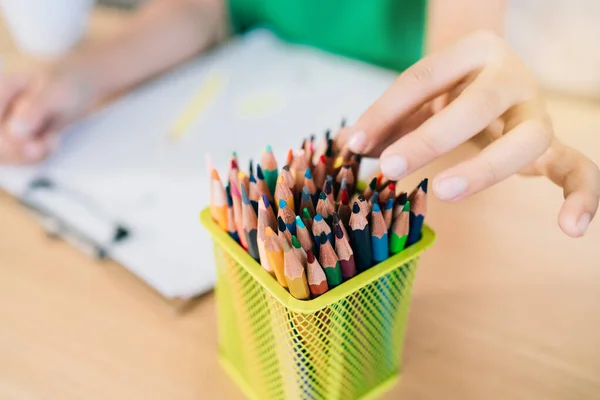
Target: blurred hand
x,y
34,107
478,85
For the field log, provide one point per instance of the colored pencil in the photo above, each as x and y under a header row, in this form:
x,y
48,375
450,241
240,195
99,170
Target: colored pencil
x,y
289,158
306,201
345,253
295,275
320,226
317,281
284,232
346,173
418,201
328,189
218,200
399,231
304,235
288,178
374,200
298,169
274,249
360,236
231,228
288,216
300,252
269,165
355,161
262,224
379,236
338,222
309,184
233,173
368,192
243,179
344,210
343,187
261,185
307,218
329,261
325,208
250,224
282,192
364,205
320,172
387,192
269,210
237,214
399,204
388,211
254,194
329,158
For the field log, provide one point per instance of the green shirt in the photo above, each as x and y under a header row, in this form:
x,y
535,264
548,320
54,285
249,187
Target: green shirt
x,y
389,33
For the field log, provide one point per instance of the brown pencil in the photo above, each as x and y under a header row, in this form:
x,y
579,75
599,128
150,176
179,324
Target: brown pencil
x,y
294,274
317,280
307,201
309,184
290,158
298,169
346,173
365,207
399,204
269,211
274,250
300,252
328,189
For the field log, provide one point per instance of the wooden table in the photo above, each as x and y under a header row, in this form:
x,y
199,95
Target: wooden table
x,y
505,305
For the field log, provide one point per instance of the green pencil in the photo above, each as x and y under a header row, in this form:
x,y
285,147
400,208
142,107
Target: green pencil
x,y
399,231
329,261
269,169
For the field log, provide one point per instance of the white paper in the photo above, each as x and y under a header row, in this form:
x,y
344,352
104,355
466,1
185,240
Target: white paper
x,y
122,156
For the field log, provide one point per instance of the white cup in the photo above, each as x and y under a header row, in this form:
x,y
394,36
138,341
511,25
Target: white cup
x,y
46,28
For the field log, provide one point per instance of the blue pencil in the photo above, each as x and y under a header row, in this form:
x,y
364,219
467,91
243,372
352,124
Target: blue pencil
x,y
379,236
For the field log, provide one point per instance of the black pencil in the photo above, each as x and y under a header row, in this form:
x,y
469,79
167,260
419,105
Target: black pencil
x,y
360,236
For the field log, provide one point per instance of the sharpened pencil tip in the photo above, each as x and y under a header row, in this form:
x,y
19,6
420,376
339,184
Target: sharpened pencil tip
x,y
282,203
281,224
423,184
323,238
338,232
322,196
355,208
266,200
269,149
318,217
245,198
308,174
299,222
376,208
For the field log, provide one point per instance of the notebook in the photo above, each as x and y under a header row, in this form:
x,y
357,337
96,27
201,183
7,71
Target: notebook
x,y
125,187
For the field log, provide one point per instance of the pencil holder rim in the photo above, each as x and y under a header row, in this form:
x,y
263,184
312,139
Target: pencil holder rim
x,y
330,297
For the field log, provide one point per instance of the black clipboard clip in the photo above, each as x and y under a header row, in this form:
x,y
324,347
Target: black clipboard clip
x,y
57,226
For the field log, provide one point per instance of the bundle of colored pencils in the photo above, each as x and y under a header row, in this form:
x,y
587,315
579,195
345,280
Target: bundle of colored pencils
x,y
306,224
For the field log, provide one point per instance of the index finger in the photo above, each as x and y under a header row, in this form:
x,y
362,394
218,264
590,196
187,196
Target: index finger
x,y
419,84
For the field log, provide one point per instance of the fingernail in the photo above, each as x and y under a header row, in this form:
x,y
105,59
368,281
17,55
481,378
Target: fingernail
x,y
33,151
19,128
583,223
450,188
357,142
393,167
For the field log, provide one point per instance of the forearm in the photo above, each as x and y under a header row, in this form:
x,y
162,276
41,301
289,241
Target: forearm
x,y
161,35
450,20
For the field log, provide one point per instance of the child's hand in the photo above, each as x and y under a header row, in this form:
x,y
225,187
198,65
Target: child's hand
x,y
33,108
447,98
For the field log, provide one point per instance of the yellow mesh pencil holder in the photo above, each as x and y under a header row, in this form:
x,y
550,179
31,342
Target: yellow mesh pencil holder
x,y
346,344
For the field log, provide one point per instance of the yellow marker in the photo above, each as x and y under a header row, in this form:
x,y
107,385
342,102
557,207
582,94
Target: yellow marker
x,y
207,93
